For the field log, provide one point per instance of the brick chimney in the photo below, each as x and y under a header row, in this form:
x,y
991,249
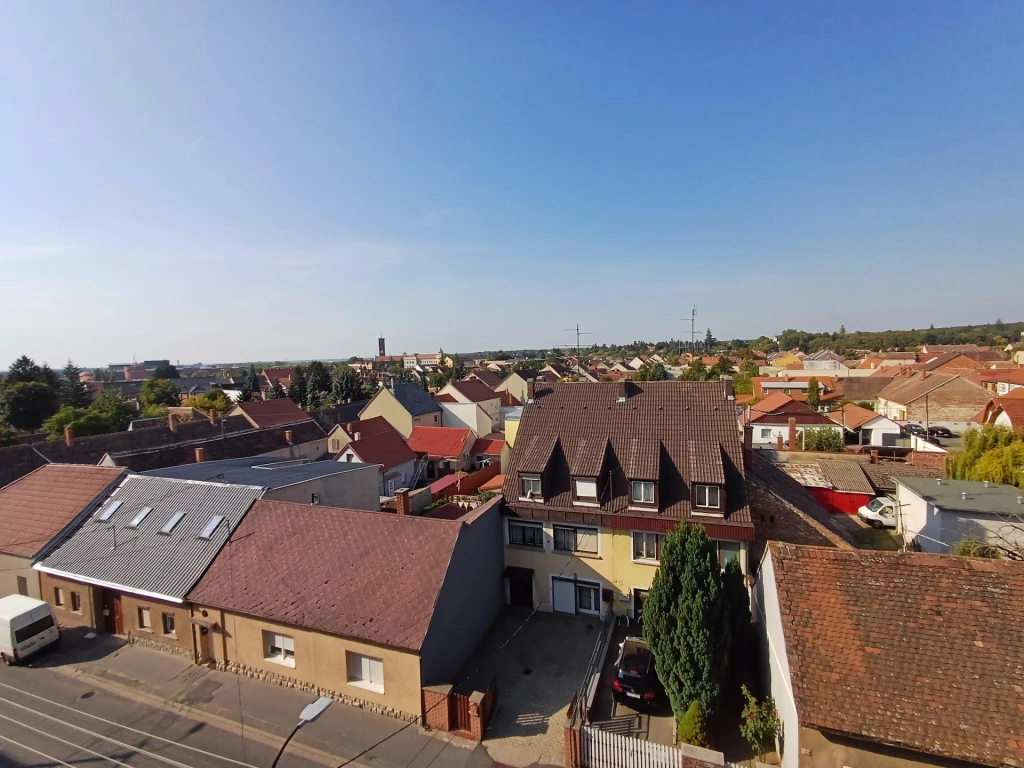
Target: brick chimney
x,y
748,446
200,455
620,390
402,504
779,437
924,375
213,417
531,389
288,436
874,457
69,436
793,445
172,422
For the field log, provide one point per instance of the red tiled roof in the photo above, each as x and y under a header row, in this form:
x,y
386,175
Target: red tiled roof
x,y
1015,376
369,427
929,659
439,441
488,446
370,575
852,416
494,484
474,391
779,408
41,504
445,398
272,413
508,399
387,449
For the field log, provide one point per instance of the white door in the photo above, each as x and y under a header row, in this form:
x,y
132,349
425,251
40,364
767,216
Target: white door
x,y
564,595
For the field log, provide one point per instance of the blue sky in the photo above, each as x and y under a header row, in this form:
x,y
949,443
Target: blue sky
x,y
231,181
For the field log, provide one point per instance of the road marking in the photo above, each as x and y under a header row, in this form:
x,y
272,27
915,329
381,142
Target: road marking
x,y
128,728
96,735
65,741
27,748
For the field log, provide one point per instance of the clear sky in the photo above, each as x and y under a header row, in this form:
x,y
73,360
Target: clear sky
x,y
215,181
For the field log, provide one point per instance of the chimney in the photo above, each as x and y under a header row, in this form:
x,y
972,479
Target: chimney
x,y
200,455
874,457
748,446
531,389
69,436
172,422
780,442
357,437
924,375
620,390
402,505
793,446
963,495
288,436
213,417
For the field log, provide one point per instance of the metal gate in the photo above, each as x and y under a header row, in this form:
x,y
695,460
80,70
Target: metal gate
x,y
462,722
604,749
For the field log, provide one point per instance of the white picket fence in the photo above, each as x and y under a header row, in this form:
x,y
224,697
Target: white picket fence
x,y
604,749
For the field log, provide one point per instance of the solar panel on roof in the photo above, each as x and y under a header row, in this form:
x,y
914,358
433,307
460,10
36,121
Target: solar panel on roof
x,y
137,520
175,519
111,508
211,526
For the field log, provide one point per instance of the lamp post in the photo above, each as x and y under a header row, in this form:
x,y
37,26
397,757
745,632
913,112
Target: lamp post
x,y
308,714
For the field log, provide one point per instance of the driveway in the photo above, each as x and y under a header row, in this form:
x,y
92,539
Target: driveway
x,y
539,660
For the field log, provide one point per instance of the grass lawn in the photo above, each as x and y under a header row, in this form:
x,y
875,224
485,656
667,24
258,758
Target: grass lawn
x,y
876,538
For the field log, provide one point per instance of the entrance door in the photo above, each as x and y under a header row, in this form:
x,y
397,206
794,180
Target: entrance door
x,y
113,621
520,593
639,598
563,592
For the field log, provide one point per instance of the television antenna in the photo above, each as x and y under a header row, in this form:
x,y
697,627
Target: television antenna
x,y
693,328
578,334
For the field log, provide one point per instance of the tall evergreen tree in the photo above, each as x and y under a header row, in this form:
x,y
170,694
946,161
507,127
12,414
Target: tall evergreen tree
x,y
313,398
813,393
276,392
685,620
297,389
24,369
252,379
76,393
320,375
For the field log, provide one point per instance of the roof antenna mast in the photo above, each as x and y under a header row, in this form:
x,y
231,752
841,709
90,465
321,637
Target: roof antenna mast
x,y
578,334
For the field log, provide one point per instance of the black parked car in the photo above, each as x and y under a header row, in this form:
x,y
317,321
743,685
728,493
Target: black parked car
x,y
940,432
914,429
636,683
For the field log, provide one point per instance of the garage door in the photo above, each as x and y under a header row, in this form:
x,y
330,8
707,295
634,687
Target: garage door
x,y
564,595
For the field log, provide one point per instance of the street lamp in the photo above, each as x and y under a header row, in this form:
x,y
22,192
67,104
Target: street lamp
x,y
308,714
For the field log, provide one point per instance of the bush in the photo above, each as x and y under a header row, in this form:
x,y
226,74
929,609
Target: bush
x,y
820,439
759,722
693,727
968,547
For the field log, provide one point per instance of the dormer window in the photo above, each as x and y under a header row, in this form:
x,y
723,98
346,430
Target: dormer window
x,y
707,496
586,489
642,492
529,487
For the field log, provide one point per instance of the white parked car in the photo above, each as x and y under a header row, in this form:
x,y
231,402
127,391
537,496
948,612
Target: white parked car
x,y
879,513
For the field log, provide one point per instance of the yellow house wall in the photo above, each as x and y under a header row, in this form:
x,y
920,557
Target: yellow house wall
x,y
320,659
511,430
13,566
384,404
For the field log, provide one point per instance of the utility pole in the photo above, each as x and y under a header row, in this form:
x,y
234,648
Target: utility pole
x,y
578,334
693,327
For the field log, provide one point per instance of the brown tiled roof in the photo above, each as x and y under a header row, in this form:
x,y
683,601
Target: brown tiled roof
x,y
270,413
369,575
1015,376
488,377
907,389
928,658
439,441
846,476
508,399
369,427
43,503
587,457
780,408
445,398
387,449
862,387
705,462
647,437
475,391
852,416
931,362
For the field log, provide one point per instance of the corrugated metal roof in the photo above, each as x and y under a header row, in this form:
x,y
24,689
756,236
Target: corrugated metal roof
x,y
846,476
259,471
142,559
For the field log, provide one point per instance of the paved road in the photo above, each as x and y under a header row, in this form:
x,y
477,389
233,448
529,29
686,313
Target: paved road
x,y
50,719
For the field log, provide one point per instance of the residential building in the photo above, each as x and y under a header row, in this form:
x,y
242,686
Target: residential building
x,y
404,406
38,511
948,362
127,569
463,415
373,607
794,386
944,399
444,449
512,419
936,514
488,449
1005,411
491,378
870,657
343,434
599,473
1002,382
272,376
866,427
515,383
780,417
270,413
395,459
331,483
475,391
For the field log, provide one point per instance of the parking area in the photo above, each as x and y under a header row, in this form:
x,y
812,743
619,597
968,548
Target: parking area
x,y
657,725
538,661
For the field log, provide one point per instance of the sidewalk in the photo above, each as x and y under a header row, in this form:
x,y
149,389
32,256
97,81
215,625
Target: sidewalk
x,y
258,710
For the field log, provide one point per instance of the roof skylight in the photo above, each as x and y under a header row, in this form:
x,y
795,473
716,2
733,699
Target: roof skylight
x,y
175,519
137,520
110,509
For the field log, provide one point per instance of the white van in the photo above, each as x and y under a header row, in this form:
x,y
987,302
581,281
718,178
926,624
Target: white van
x,y
879,513
27,625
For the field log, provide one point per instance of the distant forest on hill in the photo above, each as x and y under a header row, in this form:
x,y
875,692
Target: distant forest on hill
x,y
997,334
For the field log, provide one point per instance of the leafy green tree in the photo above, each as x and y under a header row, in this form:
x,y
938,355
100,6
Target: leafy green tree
x,y
820,439
320,376
115,409
354,359
76,393
297,389
164,370
27,404
8,436
813,394
158,392
211,400
759,722
994,453
437,380
968,547
154,411
693,727
749,368
83,421
722,367
458,372
685,620
346,386
697,371
367,389
22,370
648,372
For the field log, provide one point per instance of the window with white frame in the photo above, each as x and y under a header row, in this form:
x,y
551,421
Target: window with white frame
x,y
570,538
727,552
586,489
145,622
168,624
588,597
642,492
522,534
58,597
766,433
279,648
365,671
707,496
529,486
647,545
